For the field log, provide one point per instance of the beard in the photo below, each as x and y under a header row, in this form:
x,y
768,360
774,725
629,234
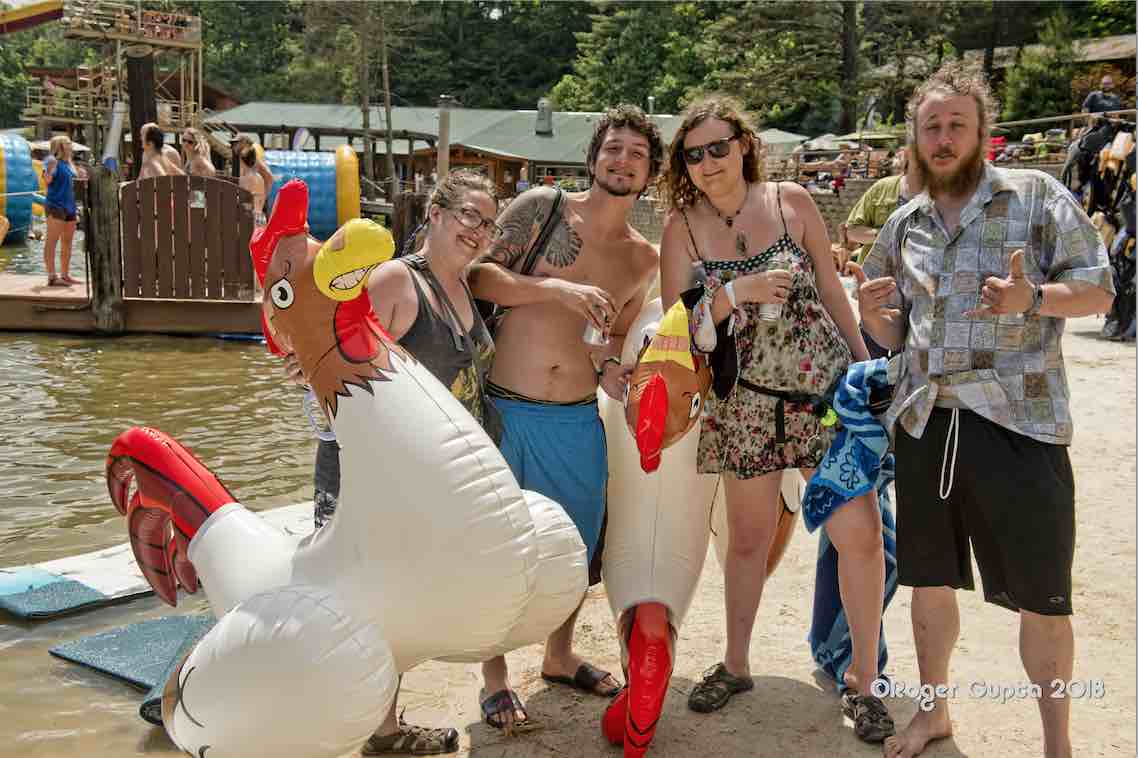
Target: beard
x,y
961,181
603,183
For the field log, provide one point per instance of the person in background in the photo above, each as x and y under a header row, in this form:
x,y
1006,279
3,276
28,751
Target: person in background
x,y
245,142
158,158
196,149
1104,99
252,182
60,209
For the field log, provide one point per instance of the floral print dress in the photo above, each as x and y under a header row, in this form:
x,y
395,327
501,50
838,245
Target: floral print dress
x,y
801,352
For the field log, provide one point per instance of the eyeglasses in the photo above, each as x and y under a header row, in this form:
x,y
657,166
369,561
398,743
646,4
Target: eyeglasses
x,y
716,149
473,220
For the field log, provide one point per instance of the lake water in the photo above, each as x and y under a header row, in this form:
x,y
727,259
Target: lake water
x,y
63,399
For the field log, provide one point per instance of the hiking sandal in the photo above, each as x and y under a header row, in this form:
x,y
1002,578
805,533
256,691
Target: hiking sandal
x,y
872,722
716,689
413,740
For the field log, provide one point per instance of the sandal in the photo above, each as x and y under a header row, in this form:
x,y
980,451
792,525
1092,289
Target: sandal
x,y
413,740
716,689
69,280
872,722
55,281
587,679
495,708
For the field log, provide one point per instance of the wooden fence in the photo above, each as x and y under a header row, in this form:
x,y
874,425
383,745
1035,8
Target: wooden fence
x,y
186,237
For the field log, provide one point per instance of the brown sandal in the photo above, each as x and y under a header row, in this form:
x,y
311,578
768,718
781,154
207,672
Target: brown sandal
x,y
413,740
872,722
55,281
716,689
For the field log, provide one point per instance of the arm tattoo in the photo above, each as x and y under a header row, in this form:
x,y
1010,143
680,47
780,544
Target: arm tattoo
x,y
520,223
564,245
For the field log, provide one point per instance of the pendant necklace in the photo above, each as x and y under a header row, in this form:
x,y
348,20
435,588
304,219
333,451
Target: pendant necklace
x,y
740,238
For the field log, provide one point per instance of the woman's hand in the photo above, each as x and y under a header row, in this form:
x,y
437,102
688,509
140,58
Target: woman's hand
x,y
765,287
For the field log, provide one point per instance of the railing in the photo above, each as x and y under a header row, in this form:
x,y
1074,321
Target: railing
x,y
58,102
130,19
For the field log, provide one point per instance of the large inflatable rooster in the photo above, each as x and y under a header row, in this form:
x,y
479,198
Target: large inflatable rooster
x,y
434,551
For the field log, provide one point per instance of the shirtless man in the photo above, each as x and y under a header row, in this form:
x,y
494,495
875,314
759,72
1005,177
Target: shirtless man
x,y
158,158
596,269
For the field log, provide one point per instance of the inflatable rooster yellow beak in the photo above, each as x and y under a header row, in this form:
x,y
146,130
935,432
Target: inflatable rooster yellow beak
x,y
667,390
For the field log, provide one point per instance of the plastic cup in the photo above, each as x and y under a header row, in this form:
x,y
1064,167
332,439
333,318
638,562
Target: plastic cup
x,y
770,311
594,336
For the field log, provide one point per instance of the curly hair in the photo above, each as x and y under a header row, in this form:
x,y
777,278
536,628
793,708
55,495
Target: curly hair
x,y
625,116
676,186
956,78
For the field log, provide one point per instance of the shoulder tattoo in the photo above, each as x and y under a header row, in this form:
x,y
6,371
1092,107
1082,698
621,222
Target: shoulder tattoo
x,y
520,224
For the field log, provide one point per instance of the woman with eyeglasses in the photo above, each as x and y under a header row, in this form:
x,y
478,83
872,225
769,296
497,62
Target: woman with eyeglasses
x,y
196,149
423,301
790,332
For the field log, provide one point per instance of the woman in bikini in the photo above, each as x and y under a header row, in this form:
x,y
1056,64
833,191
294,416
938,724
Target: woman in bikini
x,y
768,273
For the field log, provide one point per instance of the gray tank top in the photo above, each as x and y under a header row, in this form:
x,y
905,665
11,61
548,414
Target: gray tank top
x,y
460,360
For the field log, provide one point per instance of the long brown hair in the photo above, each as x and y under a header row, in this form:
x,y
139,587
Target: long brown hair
x,y
676,186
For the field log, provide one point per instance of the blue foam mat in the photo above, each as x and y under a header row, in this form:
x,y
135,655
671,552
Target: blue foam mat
x,y
142,655
51,599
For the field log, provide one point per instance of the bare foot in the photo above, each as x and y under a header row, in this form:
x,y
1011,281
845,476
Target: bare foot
x,y
924,728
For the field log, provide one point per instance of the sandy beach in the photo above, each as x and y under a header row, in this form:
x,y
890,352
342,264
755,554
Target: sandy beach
x,y
793,713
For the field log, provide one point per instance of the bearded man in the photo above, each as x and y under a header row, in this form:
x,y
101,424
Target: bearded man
x,y
973,279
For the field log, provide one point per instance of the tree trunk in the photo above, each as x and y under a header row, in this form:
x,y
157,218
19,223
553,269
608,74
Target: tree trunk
x,y
392,179
102,234
849,66
993,39
365,90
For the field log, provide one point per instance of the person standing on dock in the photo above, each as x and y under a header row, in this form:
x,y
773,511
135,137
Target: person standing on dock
x,y
59,207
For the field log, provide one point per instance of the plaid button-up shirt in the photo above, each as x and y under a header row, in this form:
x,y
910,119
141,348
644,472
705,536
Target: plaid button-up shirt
x,y
1008,369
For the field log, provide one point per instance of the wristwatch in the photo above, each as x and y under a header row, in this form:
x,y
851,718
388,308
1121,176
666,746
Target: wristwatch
x,y
1036,301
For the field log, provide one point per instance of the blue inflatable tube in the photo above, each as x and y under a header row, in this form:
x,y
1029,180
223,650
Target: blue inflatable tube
x,y
18,182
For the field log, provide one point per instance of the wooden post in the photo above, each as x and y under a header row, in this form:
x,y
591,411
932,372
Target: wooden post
x,y
140,85
103,244
410,210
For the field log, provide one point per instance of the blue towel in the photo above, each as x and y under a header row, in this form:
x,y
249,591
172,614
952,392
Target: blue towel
x,y
857,461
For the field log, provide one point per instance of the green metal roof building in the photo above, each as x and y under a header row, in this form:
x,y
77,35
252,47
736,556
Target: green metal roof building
x,y
507,145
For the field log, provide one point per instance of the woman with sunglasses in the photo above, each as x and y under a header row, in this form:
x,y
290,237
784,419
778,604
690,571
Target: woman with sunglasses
x,y
423,301
770,278
196,149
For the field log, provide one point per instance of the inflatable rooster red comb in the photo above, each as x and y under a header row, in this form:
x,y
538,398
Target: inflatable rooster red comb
x,y
289,217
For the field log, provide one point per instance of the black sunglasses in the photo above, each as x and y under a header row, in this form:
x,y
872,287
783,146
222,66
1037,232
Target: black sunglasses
x,y
716,149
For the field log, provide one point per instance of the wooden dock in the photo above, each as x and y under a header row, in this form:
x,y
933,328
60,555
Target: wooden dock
x,y
27,304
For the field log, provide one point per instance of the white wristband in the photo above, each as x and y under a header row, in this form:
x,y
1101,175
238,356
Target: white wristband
x,y
729,288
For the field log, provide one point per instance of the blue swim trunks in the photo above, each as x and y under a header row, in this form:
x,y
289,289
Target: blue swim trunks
x,y
559,451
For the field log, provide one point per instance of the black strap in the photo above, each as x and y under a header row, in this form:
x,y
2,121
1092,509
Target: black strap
x,y
687,225
543,237
817,402
778,196
462,339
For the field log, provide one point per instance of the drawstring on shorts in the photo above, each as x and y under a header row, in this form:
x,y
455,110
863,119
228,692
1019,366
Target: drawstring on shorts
x,y
952,439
